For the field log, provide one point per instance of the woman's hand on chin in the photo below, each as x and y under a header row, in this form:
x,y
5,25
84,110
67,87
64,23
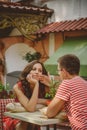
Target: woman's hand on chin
x,y
31,80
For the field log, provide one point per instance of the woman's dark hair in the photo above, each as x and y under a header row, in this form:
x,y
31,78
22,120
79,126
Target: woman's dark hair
x,y
26,84
71,63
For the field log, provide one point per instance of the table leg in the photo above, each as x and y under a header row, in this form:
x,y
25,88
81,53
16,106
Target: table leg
x,y
45,127
54,126
48,127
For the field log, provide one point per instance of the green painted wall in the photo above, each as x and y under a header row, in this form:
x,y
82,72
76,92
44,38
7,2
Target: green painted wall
x,y
75,46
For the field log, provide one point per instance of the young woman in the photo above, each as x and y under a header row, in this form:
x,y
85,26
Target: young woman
x,y
30,90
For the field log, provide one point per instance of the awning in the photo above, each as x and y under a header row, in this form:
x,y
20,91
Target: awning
x,y
77,47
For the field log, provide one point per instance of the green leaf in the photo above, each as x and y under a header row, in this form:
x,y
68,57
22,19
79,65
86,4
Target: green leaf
x,y
30,57
53,88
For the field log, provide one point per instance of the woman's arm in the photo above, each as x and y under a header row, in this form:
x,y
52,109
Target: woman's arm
x,y
29,105
45,80
43,101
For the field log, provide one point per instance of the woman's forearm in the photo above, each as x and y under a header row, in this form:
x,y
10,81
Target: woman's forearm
x,y
34,98
29,105
42,101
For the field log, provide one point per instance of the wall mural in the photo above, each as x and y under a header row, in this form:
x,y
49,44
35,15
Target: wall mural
x,y
27,24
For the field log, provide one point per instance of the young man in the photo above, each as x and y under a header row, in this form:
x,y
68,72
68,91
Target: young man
x,y
71,94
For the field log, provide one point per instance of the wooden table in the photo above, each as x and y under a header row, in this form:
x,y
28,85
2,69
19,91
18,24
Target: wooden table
x,y
35,118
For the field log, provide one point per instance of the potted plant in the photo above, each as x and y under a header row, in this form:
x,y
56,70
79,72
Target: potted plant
x,y
6,96
5,91
53,88
32,56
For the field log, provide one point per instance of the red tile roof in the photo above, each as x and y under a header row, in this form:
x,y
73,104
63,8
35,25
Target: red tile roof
x,y
17,7
77,24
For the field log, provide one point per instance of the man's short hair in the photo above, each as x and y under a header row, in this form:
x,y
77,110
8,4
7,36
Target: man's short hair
x,y
70,62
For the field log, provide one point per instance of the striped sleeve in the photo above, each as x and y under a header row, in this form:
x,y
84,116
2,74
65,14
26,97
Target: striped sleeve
x,y
63,91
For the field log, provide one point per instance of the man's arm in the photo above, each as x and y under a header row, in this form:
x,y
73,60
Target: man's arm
x,y
55,107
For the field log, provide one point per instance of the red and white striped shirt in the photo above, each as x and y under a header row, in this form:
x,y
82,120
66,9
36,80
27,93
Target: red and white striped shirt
x,y
74,92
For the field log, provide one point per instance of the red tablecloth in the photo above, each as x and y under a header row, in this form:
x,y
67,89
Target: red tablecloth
x,y
3,103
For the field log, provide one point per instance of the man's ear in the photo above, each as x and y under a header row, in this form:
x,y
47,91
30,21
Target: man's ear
x,y
64,72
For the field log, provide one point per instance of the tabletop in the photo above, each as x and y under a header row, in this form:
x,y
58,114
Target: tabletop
x,y
33,117
37,118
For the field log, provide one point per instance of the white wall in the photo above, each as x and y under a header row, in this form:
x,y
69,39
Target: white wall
x,y
15,62
67,9
14,57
